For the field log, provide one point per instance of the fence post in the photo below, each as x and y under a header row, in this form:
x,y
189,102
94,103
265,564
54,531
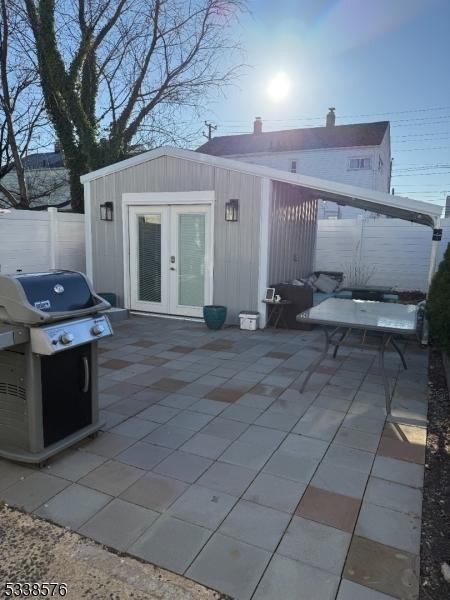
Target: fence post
x,y
53,231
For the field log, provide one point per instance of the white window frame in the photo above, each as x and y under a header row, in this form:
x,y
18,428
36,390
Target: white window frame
x,y
361,160
293,167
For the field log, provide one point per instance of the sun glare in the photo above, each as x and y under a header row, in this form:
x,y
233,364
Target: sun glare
x,y
279,87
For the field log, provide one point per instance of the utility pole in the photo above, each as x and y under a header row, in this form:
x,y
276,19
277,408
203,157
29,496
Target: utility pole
x,y
211,128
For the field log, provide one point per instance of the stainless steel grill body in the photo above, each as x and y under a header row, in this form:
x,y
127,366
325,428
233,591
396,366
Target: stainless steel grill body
x,y
48,363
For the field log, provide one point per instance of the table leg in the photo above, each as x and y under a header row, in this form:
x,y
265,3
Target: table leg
x,y
270,311
399,352
387,392
279,310
340,340
318,360
283,319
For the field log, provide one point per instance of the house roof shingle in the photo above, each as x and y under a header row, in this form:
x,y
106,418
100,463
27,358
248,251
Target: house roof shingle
x,y
339,136
43,160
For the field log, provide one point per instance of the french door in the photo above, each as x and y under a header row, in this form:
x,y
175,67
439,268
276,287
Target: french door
x,y
170,258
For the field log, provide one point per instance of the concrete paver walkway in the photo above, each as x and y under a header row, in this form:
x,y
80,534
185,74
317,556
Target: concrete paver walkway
x,y
34,550
213,465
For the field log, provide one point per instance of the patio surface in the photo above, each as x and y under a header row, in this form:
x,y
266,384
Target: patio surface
x,y
214,466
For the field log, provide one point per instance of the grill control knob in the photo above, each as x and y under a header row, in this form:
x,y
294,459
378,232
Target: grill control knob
x,y
97,329
66,338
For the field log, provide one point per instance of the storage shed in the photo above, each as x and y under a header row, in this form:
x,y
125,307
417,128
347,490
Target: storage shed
x,y
171,230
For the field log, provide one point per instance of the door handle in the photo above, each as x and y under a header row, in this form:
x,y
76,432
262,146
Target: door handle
x,y
85,387
172,269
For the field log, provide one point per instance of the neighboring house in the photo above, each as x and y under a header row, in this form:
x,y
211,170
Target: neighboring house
x,y
46,178
358,154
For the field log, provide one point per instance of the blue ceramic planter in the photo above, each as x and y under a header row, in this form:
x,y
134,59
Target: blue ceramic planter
x,y
214,316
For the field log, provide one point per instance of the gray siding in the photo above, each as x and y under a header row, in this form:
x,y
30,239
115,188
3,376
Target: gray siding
x,y
236,245
293,226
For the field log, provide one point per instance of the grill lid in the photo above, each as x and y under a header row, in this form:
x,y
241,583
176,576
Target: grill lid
x,y
34,298
56,291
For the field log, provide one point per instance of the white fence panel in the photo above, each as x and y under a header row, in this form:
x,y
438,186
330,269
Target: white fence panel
x,y
70,243
386,252
34,241
337,243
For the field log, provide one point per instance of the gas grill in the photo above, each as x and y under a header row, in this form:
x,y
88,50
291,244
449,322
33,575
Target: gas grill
x,y
49,328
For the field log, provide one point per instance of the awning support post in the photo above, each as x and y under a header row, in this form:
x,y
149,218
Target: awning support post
x,y
437,235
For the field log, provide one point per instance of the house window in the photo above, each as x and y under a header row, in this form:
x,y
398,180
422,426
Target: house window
x,y
380,164
360,163
293,166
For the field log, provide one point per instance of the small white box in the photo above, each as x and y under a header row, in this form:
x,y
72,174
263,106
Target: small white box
x,y
249,320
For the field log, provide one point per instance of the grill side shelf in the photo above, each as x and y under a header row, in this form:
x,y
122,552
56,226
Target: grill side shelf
x,y
11,335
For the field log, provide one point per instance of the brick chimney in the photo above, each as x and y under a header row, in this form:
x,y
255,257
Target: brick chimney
x,y
331,117
257,125
447,208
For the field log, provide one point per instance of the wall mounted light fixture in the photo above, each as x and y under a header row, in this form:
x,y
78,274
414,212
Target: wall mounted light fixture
x,y
232,210
106,211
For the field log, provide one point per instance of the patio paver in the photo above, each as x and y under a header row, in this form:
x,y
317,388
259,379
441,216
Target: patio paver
x,y
171,543
112,477
118,524
202,506
292,580
315,544
230,565
214,465
73,506
275,492
228,478
389,527
348,590
329,508
154,491
382,568
143,455
33,490
184,466
255,524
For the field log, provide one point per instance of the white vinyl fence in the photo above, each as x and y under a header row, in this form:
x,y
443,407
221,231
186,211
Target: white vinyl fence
x,y
378,251
33,241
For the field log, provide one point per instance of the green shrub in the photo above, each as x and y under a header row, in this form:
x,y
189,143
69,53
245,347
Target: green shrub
x,y
438,304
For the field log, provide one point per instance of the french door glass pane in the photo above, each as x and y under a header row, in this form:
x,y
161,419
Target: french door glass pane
x,y
149,252
191,261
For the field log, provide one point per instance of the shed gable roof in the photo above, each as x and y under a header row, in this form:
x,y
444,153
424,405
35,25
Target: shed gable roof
x,y
371,200
313,138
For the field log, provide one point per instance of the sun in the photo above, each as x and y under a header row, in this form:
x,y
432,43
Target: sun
x,y
279,87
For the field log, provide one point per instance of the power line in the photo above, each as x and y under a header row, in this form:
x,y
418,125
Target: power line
x,y
431,139
422,174
418,135
398,112
399,123
415,149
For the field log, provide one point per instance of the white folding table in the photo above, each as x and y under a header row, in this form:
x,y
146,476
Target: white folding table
x,y
345,316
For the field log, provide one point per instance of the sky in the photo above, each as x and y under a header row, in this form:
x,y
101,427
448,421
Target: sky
x,y
373,61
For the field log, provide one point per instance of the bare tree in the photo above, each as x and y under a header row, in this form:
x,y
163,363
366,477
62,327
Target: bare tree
x,y
22,115
116,73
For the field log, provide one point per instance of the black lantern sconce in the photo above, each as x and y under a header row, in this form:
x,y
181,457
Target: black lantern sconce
x,y
106,211
232,210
